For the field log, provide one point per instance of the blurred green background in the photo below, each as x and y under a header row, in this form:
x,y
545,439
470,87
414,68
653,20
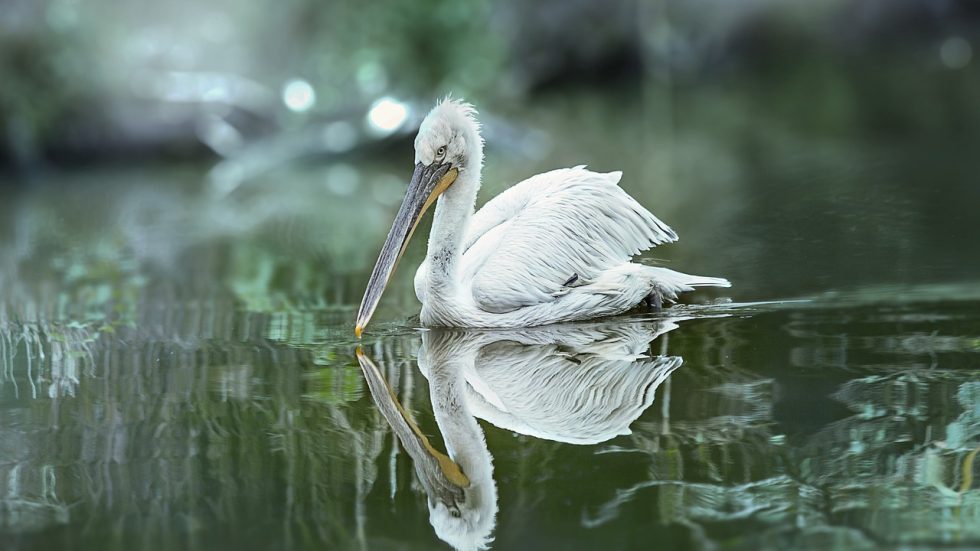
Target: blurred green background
x,y
107,80
781,139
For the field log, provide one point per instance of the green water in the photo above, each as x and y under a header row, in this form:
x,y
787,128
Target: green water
x,y
178,369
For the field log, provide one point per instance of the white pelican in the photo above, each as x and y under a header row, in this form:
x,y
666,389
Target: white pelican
x,y
580,384
553,248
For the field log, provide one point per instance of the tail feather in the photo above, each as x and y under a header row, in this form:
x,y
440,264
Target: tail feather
x,y
669,283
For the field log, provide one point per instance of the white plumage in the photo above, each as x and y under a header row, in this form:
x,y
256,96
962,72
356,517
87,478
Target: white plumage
x,y
553,248
584,220
573,383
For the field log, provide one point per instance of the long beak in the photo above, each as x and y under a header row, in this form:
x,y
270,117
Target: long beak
x,y
428,182
442,477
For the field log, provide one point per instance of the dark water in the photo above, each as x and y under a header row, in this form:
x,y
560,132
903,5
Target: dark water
x,y
178,369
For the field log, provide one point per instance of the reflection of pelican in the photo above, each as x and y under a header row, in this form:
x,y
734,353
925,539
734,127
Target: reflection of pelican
x,y
462,493
553,248
581,384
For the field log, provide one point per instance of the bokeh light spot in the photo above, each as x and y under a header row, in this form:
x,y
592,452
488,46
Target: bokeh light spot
x,y
387,115
955,52
298,95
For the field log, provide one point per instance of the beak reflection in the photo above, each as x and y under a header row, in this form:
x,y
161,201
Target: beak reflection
x,y
442,477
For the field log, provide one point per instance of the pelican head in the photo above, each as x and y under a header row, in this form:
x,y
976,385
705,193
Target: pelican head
x,y
448,148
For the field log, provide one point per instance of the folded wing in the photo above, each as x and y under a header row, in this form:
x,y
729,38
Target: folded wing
x,y
569,224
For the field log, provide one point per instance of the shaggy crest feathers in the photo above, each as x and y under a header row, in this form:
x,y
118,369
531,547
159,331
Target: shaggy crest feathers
x,y
454,114
451,123
458,111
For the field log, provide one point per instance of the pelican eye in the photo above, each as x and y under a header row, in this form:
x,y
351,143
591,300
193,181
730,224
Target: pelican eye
x,y
441,152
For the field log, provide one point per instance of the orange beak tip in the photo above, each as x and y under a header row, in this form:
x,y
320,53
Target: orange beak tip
x,y
358,330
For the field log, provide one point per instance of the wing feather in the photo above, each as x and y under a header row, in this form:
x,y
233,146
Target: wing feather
x,y
523,245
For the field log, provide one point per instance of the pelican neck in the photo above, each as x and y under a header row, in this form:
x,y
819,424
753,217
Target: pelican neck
x,y
453,212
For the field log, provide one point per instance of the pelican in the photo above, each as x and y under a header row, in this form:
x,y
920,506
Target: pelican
x,y
553,248
573,383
